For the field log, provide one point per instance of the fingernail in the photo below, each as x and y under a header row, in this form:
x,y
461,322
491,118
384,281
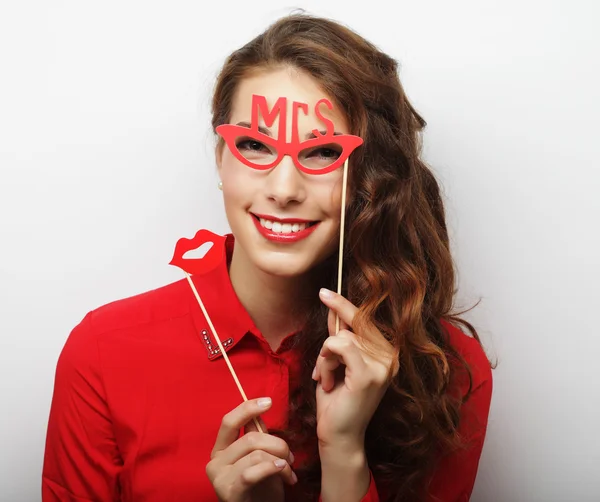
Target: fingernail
x,y
280,463
264,402
292,458
314,373
325,293
294,477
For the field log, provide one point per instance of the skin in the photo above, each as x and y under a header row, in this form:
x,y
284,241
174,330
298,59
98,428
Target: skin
x,y
268,279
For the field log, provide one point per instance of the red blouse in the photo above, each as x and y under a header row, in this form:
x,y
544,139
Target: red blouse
x,y
141,389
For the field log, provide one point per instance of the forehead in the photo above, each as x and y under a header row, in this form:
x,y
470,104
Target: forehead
x,y
296,86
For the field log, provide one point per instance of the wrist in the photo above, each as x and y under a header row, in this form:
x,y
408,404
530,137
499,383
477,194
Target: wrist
x,y
347,451
342,443
344,472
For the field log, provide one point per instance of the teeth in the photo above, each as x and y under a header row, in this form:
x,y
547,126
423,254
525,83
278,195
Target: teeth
x,y
283,228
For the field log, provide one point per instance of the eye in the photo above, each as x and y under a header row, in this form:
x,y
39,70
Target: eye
x,y
325,152
251,145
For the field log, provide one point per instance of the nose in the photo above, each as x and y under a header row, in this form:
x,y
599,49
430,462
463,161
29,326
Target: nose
x,y
285,184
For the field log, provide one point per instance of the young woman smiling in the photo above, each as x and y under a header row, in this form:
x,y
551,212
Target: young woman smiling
x,y
393,407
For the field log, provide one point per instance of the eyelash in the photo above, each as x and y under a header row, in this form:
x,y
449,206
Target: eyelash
x,y
246,142
328,149
242,144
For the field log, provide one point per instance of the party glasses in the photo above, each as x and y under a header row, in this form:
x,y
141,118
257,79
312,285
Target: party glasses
x,y
320,154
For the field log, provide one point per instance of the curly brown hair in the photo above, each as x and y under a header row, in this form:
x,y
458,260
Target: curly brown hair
x,y
397,264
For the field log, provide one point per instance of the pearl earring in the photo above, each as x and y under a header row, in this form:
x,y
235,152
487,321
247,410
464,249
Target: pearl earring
x,y
220,185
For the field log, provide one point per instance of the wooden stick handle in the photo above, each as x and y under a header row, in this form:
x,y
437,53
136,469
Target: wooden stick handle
x,y
341,250
225,356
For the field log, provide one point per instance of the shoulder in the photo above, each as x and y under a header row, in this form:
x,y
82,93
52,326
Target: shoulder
x,y
155,306
473,354
163,303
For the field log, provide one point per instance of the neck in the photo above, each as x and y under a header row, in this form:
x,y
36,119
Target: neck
x,y
277,305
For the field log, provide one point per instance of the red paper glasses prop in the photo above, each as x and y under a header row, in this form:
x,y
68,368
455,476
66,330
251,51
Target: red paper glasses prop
x,y
320,153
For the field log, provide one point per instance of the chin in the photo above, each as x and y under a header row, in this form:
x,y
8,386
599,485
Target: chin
x,y
283,266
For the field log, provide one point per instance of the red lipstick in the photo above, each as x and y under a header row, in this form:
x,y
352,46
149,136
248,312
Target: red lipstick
x,y
281,220
284,237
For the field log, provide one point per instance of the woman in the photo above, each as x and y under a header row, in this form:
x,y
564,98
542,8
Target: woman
x,y
394,406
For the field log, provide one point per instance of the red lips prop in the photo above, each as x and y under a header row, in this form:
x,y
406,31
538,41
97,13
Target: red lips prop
x,y
208,262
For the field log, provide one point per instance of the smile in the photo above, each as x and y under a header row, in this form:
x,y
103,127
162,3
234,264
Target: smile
x,y
283,230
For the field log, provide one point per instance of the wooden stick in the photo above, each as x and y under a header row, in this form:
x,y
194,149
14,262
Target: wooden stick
x,y
225,356
341,250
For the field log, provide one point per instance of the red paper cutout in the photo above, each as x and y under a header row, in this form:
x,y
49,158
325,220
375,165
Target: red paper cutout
x,y
208,262
237,135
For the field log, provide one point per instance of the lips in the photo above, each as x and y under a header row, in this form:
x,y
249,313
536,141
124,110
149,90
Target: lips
x,y
208,262
281,237
283,220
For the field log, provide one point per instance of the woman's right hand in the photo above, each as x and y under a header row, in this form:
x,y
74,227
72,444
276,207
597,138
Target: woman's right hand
x,y
254,467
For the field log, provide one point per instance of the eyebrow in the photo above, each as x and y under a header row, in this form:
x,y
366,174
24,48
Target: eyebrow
x,y
267,132
323,132
262,129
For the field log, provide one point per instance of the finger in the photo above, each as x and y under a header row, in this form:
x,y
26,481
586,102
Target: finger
x,y
259,465
327,364
255,441
331,323
344,334
344,308
236,419
344,351
326,371
344,347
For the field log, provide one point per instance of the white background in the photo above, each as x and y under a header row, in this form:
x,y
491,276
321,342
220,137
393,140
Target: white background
x,y
106,160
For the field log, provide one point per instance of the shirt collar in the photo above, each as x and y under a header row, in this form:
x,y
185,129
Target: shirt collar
x,y
229,317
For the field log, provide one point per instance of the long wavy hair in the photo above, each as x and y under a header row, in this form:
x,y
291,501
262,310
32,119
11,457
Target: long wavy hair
x,y
397,265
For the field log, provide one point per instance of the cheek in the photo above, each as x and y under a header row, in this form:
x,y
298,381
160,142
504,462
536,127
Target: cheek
x,y
329,193
236,178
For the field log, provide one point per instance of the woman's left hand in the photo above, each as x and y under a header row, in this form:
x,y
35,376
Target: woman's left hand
x,y
351,382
